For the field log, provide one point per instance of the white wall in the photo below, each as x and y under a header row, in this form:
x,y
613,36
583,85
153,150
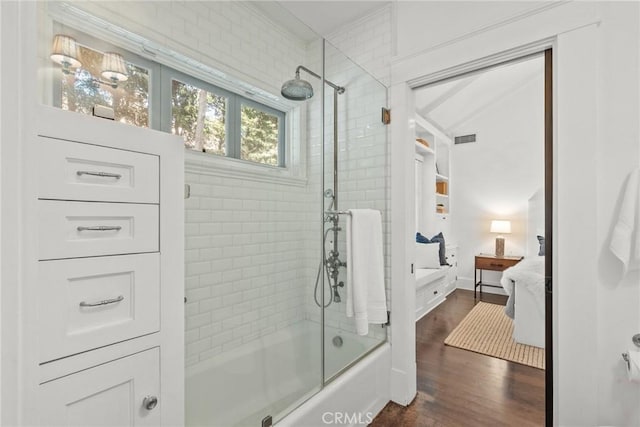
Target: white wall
x,y
617,152
495,177
596,130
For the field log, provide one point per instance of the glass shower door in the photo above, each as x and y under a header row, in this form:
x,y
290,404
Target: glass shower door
x,y
356,162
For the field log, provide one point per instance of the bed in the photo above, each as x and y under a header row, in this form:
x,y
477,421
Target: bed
x,y
524,282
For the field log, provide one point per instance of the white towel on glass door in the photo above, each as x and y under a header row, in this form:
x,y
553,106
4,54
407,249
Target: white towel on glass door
x,y
625,239
366,299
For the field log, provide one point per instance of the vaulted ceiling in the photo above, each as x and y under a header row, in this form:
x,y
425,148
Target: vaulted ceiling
x,y
451,104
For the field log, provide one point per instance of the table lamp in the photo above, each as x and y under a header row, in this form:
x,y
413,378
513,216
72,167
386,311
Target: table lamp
x,y
500,227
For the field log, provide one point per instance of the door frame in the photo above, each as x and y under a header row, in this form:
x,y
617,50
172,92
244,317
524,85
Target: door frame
x,y
548,198
404,368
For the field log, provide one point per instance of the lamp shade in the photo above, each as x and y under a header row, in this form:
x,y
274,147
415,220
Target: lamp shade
x,y
500,226
114,68
65,51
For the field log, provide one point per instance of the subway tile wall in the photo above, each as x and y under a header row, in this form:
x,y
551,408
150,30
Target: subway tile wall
x,y
252,248
356,52
249,245
362,162
231,36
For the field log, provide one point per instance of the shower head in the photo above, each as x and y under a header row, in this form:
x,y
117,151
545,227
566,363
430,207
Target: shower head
x,y
328,193
300,90
297,89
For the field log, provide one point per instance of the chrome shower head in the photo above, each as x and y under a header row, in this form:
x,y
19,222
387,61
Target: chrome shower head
x,y
297,89
328,193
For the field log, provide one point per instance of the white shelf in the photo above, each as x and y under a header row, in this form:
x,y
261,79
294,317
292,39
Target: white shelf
x,y
421,149
440,177
444,196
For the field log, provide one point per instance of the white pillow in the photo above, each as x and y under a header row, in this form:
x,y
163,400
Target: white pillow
x,y
428,255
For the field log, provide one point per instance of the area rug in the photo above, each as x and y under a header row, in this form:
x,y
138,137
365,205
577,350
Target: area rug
x,y
487,330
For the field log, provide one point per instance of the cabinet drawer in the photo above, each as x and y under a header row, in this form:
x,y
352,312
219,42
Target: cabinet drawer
x,y
87,303
433,292
75,171
495,264
81,229
112,394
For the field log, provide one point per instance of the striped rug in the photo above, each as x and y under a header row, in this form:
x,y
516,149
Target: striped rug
x,y
487,330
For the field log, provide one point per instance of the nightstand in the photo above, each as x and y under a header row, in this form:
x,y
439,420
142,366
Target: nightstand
x,y
493,263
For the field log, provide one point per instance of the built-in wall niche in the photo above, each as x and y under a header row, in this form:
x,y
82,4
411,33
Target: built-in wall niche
x,y
433,176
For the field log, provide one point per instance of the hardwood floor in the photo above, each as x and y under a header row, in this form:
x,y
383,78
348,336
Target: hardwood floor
x,y
460,388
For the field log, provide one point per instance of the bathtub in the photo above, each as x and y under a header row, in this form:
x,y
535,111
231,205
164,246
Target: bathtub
x,y
278,373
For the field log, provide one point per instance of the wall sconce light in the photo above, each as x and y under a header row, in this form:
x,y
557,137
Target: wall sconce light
x,y
66,53
501,227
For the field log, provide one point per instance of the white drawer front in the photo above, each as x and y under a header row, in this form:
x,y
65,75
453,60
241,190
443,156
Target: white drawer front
x,y
87,303
81,229
75,171
107,395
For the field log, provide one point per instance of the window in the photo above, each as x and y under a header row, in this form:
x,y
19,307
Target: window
x,y
213,120
260,134
200,117
79,91
210,119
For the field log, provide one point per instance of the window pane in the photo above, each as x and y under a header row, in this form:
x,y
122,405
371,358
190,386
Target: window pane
x,y
199,117
259,136
130,101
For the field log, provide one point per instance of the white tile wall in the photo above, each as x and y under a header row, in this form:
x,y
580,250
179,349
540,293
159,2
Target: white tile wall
x,y
249,245
249,248
365,154
231,36
368,42
253,247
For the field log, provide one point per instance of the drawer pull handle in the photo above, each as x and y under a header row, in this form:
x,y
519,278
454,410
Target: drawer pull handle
x,y
100,174
150,402
493,264
103,302
101,228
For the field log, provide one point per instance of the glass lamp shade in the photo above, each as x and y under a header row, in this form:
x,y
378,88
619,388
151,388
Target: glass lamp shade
x,y
114,68
65,52
499,226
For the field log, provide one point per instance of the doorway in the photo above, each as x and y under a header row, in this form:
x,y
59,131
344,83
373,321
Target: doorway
x,y
443,204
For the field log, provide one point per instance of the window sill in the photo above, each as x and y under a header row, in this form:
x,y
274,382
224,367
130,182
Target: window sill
x,y
210,164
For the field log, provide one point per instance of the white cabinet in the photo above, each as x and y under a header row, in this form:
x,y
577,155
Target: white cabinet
x,y
121,393
433,209
76,171
452,272
430,294
102,314
82,229
436,171
91,302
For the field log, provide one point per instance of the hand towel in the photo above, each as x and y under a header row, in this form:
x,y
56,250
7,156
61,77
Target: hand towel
x,y
366,299
625,238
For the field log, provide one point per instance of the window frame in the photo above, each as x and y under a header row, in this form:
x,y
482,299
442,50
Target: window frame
x,y
160,99
282,118
167,76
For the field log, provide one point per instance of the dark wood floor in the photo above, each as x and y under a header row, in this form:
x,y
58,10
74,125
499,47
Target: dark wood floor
x,y
460,388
